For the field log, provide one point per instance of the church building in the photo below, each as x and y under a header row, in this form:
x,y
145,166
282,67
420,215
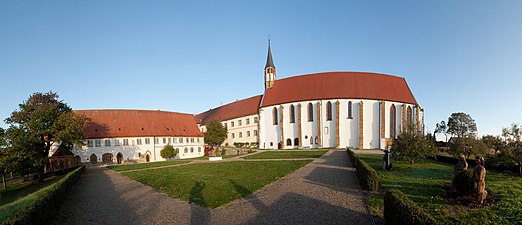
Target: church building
x,y
359,110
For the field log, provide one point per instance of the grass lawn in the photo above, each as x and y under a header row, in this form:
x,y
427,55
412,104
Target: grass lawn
x,y
287,154
206,157
16,191
215,184
146,165
423,182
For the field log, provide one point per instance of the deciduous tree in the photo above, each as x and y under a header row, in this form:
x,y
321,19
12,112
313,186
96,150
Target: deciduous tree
x,y
461,125
168,152
512,153
216,133
468,146
40,122
413,146
442,128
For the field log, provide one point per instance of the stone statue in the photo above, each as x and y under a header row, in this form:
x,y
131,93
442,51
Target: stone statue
x,y
479,180
461,166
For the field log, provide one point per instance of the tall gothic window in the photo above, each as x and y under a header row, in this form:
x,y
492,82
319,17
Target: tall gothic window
x,y
350,115
310,112
292,114
275,119
392,121
409,119
329,111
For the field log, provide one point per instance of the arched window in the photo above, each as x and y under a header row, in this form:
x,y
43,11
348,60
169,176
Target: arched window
x,y
186,150
409,118
310,112
275,118
177,150
191,150
392,121
296,141
316,140
329,111
199,149
350,115
292,114
311,140
288,142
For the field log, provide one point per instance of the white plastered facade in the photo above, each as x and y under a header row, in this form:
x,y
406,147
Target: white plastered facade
x,y
188,147
322,132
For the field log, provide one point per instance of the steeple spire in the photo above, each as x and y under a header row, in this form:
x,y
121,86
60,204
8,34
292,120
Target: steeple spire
x,y
270,70
269,61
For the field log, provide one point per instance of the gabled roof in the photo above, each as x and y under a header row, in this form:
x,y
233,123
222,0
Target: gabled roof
x,y
244,107
332,85
138,123
63,150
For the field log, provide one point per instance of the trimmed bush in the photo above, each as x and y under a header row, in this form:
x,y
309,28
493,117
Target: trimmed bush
x,y
399,209
351,154
463,182
48,201
367,175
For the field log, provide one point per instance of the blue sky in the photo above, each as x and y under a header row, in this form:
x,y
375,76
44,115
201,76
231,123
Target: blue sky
x,y
190,56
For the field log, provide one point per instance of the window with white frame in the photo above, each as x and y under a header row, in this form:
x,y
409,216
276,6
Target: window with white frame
x,y
116,142
89,143
125,142
107,143
138,141
147,141
97,143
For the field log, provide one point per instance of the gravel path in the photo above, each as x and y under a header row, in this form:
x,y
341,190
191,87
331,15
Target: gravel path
x,y
325,191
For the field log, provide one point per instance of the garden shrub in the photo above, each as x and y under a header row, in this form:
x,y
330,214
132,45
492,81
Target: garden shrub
x,y
367,175
48,201
351,154
463,182
399,209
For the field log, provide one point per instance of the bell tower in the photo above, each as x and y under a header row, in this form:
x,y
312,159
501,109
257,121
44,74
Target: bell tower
x,y
270,70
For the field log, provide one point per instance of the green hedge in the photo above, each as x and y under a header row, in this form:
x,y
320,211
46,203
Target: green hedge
x,y
47,202
399,209
352,156
368,177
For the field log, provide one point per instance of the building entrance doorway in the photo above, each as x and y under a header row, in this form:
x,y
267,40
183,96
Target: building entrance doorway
x,y
93,159
107,158
119,158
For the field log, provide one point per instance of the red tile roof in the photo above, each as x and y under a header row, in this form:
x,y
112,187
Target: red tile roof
x,y
244,107
138,123
333,85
